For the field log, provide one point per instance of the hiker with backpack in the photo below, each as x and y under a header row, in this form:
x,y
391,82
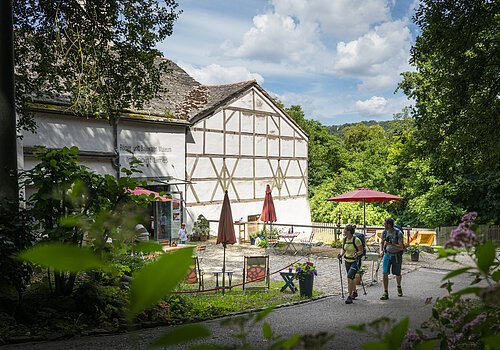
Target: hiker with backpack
x,y
391,249
352,251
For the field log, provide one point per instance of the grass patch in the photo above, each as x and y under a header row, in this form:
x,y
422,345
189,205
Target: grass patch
x,y
199,306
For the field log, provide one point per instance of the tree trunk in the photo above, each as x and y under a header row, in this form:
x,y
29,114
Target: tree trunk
x,y
8,155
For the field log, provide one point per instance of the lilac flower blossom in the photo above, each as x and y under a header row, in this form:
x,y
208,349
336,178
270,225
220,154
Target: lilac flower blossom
x,y
463,236
476,321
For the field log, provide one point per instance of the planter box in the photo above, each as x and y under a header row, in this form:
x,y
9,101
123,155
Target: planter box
x,y
306,285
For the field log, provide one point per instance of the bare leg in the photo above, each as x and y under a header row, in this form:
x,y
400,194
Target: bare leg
x,y
351,285
385,279
398,280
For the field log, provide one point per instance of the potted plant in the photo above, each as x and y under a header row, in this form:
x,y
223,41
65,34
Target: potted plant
x,y
305,273
414,251
201,228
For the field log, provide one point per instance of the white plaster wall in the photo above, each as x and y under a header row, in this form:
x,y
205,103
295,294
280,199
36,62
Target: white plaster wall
x,y
290,212
232,120
215,142
58,131
160,148
246,122
232,144
286,128
245,101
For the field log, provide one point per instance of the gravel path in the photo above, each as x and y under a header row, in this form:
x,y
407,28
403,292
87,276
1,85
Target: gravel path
x,y
324,257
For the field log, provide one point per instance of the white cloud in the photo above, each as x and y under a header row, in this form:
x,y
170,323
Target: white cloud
x,y
345,19
276,38
378,106
216,74
377,57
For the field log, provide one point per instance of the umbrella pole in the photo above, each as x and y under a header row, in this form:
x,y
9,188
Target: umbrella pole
x,y
224,270
364,217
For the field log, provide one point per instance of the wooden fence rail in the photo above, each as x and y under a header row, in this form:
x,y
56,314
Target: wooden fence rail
x,y
484,232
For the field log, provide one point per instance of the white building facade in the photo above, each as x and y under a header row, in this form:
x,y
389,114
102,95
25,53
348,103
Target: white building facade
x,y
195,142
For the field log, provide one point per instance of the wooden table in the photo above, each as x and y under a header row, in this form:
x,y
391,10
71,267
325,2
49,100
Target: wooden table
x,y
288,278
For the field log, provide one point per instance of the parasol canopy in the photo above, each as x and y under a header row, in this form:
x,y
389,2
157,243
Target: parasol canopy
x,y
138,191
268,210
364,195
225,234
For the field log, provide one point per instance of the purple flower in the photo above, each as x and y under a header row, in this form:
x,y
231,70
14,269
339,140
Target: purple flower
x,y
463,236
476,321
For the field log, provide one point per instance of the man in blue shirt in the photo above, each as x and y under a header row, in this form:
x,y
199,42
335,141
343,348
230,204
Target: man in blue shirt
x,y
391,249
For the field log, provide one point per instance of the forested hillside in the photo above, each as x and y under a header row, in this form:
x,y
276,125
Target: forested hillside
x,y
383,156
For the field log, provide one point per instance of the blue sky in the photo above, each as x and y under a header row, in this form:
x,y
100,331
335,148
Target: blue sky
x,y
339,59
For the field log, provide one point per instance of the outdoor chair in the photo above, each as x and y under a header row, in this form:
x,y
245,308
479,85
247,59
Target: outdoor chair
x,y
200,252
307,245
256,272
195,274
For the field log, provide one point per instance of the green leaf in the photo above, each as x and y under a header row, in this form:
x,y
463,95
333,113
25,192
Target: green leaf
x,y
291,342
455,273
376,346
470,290
263,314
426,345
63,257
485,256
493,341
207,347
267,331
148,247
395,337
357,327
496,276
182,334
157,279
444,253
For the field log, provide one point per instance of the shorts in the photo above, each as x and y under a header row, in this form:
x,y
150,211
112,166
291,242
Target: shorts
x,y
352,266
392,262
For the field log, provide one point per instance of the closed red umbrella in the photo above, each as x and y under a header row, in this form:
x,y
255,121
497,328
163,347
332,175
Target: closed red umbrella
x,y
364,195
225,234
268,211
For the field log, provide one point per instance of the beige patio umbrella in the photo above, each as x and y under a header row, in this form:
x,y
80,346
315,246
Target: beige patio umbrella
x,y
225,233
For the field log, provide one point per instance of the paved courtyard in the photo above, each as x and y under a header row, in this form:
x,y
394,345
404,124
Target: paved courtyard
x,y
324,257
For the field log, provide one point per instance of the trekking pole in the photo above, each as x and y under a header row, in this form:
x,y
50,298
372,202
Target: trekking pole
x,y
363,285
341,285
378,267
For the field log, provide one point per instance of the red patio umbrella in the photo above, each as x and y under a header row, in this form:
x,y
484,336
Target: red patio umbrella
x,y
225,234
140,191
364,195
268,211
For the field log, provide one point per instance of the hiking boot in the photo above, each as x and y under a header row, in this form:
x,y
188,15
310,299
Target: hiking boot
x,y
348,300
400,291
354,295
384,296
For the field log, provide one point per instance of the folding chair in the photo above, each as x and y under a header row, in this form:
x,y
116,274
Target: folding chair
x,y
195,274
307,245
256,272
200,251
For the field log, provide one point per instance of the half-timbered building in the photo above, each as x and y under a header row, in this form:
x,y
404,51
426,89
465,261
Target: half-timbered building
x,y
196,142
